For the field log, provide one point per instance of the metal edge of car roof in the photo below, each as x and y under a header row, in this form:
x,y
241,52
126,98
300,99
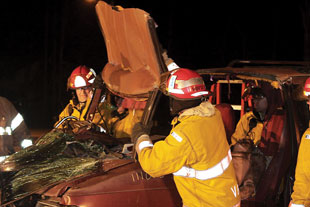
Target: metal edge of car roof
x,y
275,73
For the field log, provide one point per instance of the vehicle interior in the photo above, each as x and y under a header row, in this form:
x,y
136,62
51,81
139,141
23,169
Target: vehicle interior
x,y
285,129
267,184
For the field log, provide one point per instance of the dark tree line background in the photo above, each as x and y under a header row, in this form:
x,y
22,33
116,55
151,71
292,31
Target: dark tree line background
x,y
43,41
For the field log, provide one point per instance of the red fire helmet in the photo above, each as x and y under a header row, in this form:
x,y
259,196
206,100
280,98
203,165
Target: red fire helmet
x,y
185,84
81,76
307,87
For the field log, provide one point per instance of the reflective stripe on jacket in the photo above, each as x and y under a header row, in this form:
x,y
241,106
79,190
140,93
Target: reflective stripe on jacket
x,y
15,123
197,142
5,130
301,194
13,129
295,205
212,172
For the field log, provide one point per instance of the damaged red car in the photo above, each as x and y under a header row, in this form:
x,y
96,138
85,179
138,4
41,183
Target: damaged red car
x,y
118,180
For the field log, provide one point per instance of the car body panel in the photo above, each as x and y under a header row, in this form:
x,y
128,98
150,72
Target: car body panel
x,y
124,186
135,60
258,73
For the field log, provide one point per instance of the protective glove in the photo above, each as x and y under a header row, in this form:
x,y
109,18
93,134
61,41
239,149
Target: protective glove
x,y
80,126
138,130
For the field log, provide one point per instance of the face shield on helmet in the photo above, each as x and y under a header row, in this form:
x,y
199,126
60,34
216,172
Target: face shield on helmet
x,y
185,84
80,77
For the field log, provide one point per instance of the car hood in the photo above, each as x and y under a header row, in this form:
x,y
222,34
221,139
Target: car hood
x,y
135,59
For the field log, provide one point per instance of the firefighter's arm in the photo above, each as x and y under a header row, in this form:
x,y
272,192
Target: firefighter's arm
x,y
243,130
17,124
64,114
164,157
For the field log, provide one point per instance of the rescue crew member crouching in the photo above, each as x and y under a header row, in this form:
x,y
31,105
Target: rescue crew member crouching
x,y
196,150
301,194
81,80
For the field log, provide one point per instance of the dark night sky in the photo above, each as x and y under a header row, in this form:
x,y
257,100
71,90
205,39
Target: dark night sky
x,y
42,41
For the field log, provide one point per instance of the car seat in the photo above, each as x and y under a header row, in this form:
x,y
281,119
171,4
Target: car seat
x,y
228,117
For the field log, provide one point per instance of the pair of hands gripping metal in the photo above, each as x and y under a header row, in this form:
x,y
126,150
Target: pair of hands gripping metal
x,y
80,127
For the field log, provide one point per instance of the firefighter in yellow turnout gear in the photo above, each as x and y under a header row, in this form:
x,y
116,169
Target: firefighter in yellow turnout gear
x,y
81,80
102,119
196,150
301,194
